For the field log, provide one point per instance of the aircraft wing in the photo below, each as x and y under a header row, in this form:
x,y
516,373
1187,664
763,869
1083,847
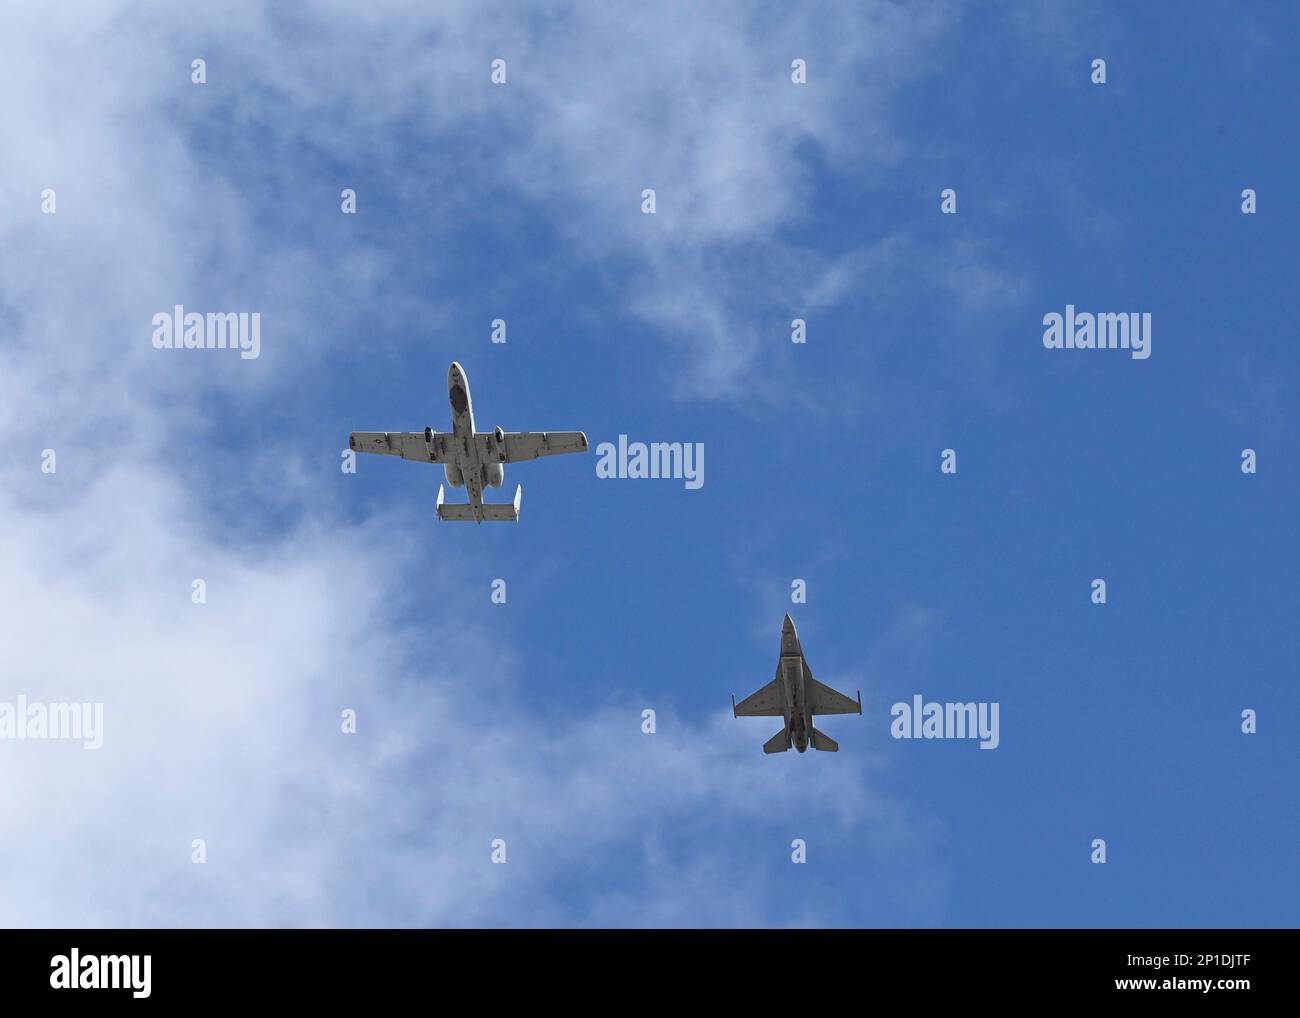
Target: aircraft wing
x,y
824,700
768,702
514,446
409,445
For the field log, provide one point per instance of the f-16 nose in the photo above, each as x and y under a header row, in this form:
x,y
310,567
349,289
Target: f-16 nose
x,y
788,625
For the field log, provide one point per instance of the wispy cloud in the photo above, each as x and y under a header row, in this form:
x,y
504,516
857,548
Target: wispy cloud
x,y
222,722
222,719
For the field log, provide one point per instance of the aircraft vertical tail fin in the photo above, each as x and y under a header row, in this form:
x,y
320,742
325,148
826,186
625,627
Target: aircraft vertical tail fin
x,y
824,742
778,743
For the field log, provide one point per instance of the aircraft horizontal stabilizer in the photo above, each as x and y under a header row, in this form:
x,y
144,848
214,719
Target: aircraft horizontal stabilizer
x,y
824,742
455,511
778,743
489,512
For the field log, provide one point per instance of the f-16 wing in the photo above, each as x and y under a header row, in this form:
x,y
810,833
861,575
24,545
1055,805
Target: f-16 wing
x,y
768,702
514,446
409,445
824,700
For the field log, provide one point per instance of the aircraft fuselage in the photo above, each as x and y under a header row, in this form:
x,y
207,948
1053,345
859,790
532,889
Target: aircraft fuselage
x,y
798,721
465,465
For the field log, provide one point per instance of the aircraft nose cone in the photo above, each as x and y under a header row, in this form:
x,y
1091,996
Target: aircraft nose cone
x,y
788,625
454,373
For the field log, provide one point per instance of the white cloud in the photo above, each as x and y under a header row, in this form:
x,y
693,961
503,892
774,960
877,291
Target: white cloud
x,y
601,102
222,722
222,719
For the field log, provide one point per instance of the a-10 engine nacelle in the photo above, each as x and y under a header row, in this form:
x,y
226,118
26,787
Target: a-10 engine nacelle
x,y
495,473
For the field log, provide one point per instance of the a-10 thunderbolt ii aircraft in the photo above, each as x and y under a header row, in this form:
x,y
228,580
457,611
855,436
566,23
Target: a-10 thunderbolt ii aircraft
x,y
795,695
471,459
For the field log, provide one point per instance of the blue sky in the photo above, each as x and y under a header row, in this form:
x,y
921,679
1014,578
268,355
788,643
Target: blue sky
x,y
522,721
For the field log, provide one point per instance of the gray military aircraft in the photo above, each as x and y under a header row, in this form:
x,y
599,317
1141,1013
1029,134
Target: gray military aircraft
x,y
795,695
470,459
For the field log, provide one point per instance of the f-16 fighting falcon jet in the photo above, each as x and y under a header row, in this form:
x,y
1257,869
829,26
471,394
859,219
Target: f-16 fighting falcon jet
x,y
471,459
795,695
